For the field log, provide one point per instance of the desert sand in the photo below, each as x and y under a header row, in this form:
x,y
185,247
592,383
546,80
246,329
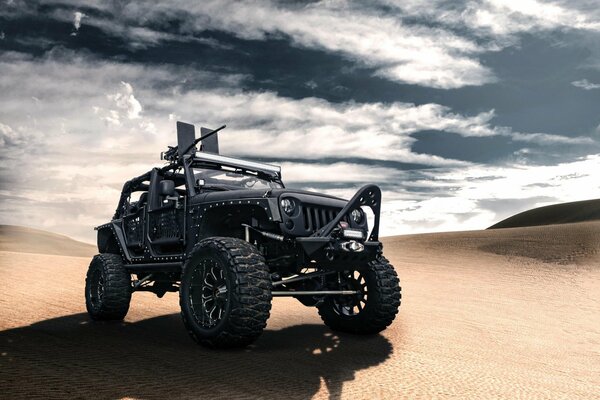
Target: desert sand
x,y
507,313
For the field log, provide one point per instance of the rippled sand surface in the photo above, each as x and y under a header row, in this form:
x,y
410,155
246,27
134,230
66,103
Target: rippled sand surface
x,y
510,313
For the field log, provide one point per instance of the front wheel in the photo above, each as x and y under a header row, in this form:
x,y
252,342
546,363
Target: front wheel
x,y
370,311
225,293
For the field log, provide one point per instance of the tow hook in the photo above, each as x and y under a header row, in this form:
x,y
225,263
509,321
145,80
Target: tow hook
x,y
330,254
352,246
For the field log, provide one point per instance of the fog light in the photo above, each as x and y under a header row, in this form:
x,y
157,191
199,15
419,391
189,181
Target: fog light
x,y
353,246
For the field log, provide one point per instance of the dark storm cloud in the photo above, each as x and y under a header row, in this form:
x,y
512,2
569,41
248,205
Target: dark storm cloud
x,y
479,150
536,92
494,149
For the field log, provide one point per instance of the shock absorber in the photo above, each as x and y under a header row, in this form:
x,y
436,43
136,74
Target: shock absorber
x,y
269,235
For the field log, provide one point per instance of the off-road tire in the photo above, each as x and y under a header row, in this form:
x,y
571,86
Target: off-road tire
x,y
113,303
248,293
383,301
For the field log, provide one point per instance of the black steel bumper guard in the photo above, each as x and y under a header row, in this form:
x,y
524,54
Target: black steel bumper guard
x,y
329,246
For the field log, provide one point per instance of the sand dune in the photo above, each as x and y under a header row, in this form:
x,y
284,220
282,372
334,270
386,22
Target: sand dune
x,y
29,240
563,213
509,313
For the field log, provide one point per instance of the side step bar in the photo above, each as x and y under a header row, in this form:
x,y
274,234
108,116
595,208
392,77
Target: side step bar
x,y
154,267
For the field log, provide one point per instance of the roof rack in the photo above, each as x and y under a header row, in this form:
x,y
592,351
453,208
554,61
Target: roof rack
x,y
237,162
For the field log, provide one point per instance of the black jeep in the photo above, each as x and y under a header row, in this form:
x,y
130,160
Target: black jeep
x,y
229,236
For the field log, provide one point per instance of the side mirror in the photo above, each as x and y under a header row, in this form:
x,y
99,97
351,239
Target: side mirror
x,y
167,188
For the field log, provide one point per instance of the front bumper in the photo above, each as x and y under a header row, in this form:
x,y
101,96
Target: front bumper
x,y
331,246
327,251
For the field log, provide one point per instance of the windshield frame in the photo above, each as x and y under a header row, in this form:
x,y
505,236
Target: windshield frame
x,y
268,172
266,181
270,178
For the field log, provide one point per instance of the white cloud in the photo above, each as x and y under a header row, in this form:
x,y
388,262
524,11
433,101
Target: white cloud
x,y
339,172
500,19
459,193
453,199
8,137
410,54
126,101
506,16
585,84
322,129
77,17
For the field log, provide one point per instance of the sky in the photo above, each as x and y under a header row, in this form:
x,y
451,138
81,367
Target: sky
x,y
463,112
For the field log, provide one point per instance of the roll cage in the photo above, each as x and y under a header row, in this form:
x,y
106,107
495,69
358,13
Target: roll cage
x,y
182,174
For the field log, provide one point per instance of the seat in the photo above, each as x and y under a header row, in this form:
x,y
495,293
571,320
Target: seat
x,y
143,199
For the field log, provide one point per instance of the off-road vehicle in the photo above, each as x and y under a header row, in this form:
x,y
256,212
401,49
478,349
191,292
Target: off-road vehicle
x,y
229,236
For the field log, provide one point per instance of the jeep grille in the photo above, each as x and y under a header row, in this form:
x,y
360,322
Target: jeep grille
x,y
316,217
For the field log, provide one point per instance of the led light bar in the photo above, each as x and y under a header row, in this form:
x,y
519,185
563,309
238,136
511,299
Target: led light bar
x,y
236,162
353,233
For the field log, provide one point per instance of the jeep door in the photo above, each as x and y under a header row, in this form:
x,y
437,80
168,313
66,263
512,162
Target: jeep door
x,y
165,220
133,223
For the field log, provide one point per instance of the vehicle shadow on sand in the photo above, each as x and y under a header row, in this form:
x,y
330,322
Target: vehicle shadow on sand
x,y
73,356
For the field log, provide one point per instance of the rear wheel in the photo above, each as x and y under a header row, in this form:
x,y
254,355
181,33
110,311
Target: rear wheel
x,y
370,311
225,293
107,288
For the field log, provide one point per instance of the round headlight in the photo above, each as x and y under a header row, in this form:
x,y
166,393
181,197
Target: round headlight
x,y
288,206
357,215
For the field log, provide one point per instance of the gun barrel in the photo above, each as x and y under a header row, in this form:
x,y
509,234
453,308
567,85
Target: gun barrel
x,y
171,153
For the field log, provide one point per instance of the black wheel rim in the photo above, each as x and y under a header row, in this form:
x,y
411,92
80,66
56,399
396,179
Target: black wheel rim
x,y
353,305
208,293
96,290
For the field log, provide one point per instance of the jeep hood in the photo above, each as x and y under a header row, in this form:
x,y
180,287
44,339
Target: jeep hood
x,y
264,193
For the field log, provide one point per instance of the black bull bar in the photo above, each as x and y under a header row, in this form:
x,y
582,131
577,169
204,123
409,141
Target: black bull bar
x,y
324,248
